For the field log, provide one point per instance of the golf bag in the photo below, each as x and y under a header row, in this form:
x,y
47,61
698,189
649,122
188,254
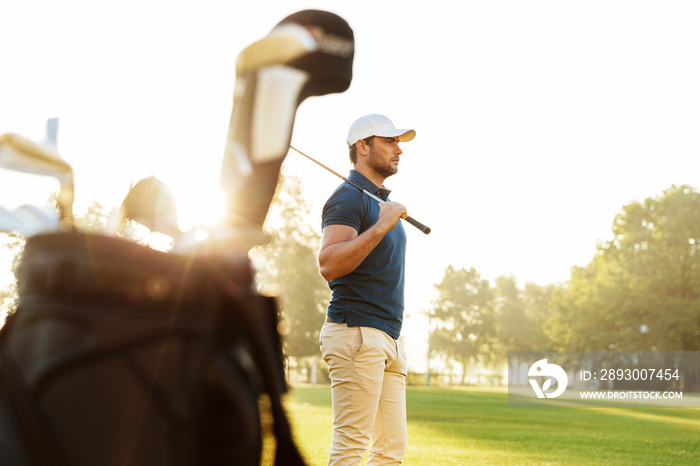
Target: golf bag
x,y
122,355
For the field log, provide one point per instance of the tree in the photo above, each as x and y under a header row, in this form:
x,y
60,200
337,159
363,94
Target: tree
x,y
538,301
520,317
656,246
514,326
290,265
642,289
463,317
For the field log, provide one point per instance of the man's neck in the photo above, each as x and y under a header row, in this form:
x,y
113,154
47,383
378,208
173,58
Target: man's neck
x,y
371,175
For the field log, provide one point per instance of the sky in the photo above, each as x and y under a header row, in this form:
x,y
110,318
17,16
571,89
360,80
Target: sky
x,y
536,121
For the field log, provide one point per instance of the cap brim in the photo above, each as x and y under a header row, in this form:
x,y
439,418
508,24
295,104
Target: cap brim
x,y
403,134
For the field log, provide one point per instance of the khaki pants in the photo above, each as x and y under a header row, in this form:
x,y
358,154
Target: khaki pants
x,y
367,369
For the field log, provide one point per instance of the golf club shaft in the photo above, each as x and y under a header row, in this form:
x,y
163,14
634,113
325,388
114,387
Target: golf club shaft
x,y
409,219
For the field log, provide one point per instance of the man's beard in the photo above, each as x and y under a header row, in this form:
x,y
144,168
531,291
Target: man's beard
x,y
384,169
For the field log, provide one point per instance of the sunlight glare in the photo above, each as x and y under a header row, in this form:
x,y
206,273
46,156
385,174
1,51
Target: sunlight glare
x,y
199,209
159,241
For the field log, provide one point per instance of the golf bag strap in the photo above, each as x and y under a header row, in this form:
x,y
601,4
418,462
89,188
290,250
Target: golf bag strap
x,y
264,344
40,445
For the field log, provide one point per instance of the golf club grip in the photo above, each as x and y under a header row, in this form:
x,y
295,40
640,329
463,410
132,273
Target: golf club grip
x,y
417,224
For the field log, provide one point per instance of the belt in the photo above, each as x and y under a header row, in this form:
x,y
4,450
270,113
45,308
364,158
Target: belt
x,y
328,319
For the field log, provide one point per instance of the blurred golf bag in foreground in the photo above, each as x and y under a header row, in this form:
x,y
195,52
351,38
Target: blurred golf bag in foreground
x,y
119,354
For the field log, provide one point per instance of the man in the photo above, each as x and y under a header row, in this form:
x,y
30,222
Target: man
x,y
362,257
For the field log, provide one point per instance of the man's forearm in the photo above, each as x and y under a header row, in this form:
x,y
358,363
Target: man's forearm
x,y
339,259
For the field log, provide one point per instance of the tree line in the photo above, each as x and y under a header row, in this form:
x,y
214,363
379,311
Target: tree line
x,y
640,292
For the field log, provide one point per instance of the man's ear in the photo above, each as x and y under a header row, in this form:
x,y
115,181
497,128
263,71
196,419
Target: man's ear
x,y
362,147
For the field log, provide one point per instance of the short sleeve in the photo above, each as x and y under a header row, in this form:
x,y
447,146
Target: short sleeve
x,y
344,207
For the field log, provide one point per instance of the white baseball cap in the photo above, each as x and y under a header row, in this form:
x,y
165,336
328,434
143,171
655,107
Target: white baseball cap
x,y
377,125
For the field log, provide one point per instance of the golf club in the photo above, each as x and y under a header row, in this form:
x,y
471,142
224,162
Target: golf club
x,y
151,203
309,53
20,154
29,220
410,220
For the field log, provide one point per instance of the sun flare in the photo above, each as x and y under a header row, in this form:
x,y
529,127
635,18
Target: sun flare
x,y
199,209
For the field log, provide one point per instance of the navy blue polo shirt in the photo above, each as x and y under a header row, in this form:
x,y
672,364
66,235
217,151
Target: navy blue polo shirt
x,y
372,295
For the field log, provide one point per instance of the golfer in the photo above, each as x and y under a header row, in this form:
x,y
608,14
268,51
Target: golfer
x,y
362,257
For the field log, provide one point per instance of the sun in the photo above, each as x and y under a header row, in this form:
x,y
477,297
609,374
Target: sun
x,y
199,208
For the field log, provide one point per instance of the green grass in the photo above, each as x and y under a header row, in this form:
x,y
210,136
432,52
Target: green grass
x,y
468,426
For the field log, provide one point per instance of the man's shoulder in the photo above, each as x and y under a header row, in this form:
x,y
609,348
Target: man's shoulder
x,y
345,206
345,192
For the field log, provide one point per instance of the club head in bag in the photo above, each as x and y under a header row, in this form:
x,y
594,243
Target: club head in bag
x,y
20,154
151,203
29,220
309,53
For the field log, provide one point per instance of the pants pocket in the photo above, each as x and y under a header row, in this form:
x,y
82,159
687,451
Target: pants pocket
x,y
354,341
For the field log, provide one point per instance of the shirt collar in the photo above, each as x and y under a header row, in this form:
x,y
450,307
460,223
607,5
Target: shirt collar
x,y
363,181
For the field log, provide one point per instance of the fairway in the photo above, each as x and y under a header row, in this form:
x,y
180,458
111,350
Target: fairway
x,y
466,426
